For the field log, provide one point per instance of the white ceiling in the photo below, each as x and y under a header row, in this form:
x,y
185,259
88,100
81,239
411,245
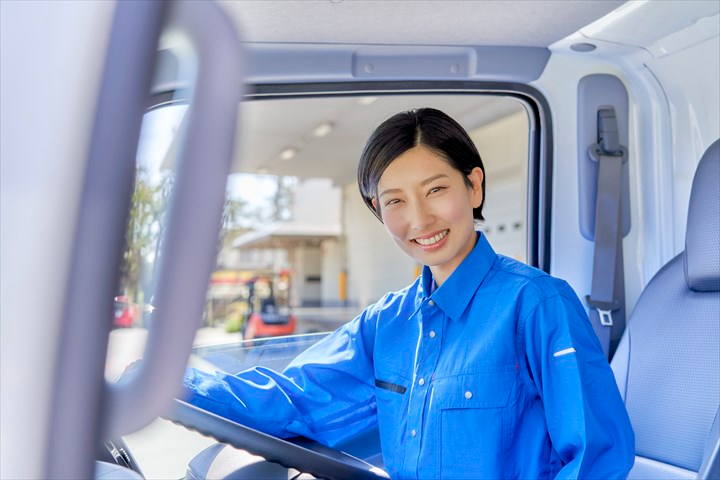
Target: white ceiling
x,y
419,22
269,126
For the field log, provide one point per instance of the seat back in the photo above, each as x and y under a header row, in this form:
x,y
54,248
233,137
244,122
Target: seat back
x,y
668,362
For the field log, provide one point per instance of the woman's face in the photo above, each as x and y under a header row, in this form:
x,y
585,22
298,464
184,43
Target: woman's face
x,y
427,209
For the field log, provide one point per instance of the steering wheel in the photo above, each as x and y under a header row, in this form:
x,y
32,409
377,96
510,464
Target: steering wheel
x,y
300,453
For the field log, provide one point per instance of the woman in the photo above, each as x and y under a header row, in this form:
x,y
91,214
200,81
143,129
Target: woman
x,y
482,368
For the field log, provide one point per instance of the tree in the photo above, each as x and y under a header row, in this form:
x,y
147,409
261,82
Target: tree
x,y
146,225
234,223
284,198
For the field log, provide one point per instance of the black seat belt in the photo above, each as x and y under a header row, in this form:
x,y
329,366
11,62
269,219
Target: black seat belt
x,y
607,295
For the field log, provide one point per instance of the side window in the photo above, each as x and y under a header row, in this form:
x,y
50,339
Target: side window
x,y
299,252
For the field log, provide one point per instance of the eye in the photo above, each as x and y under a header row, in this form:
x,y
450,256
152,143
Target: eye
x,y
392,201
435,190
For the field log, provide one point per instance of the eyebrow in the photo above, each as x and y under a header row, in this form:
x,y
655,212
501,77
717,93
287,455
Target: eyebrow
x,y
422,184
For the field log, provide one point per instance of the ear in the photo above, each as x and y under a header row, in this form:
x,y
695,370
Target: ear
x,y
476,177
374,203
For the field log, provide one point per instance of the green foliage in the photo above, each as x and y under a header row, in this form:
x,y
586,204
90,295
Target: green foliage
x,y
234,322
146,228
146,224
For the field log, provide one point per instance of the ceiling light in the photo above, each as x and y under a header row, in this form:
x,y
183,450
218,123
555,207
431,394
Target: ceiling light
x,y
583,47
288,153
323,129
365,101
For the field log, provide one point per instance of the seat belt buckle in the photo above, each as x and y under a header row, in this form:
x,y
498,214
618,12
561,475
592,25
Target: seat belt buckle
x,y
604,310
606,319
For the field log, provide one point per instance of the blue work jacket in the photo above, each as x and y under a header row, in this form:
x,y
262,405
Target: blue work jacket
x,y
495,374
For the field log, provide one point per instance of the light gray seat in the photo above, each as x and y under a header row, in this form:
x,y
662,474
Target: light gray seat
x,y
668,362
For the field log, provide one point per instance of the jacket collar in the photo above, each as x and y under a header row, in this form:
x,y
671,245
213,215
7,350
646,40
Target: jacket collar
x,y
455,294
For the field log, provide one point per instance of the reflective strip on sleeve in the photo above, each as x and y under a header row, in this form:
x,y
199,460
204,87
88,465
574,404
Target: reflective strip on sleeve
x,y
560,353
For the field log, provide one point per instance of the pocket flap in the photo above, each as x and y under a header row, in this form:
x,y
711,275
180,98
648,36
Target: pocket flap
x,y
477,390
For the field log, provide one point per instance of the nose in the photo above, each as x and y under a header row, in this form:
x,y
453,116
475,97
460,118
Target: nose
x,y
420,216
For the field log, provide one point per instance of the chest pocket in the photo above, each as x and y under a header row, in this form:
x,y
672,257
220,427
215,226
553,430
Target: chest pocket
x,y
474,419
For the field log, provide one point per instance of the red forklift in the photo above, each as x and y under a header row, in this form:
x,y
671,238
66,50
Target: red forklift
x,y
269,311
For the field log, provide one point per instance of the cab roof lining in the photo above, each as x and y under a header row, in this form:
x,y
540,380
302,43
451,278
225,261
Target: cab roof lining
x,y
528,23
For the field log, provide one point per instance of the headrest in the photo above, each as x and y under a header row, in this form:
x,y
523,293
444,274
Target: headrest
x,y
702,238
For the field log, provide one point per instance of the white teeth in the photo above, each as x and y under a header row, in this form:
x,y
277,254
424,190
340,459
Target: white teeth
x,y
431,240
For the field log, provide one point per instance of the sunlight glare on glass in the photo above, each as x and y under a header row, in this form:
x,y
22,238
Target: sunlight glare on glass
x,y
159,129
256,191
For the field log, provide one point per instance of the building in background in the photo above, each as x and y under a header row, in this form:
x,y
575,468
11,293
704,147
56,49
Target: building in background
x,y
338,254
307,246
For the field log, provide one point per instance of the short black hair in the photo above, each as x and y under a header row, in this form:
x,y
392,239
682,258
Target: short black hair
x,y
425,127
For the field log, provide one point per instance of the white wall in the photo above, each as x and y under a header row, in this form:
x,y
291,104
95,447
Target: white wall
x,y
307,262
690,78
331,265
375,264
317,202
503,146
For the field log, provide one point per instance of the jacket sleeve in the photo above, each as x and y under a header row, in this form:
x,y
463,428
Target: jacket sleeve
x,y
586,417
326,393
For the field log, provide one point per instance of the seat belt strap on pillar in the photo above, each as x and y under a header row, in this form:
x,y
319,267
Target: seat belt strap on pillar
x,y
607,295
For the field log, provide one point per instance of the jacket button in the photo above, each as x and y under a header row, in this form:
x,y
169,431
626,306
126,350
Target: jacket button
x,y
413,433
468,395
421,382
432,333
431,303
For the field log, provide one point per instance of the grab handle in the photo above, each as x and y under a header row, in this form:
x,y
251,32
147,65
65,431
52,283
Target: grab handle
x,y
194,219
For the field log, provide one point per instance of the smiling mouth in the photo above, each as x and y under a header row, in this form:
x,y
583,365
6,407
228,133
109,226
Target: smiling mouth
x,y
425,242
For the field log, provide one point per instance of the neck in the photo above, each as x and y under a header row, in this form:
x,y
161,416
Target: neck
x,y
442,272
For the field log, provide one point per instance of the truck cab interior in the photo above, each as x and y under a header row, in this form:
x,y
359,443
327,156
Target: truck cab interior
x,y
599,122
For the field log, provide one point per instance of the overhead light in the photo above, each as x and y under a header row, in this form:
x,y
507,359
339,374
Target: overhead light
x,y
365,101
323,129
583,47
288,154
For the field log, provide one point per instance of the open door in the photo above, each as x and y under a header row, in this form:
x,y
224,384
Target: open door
x,y
73,408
